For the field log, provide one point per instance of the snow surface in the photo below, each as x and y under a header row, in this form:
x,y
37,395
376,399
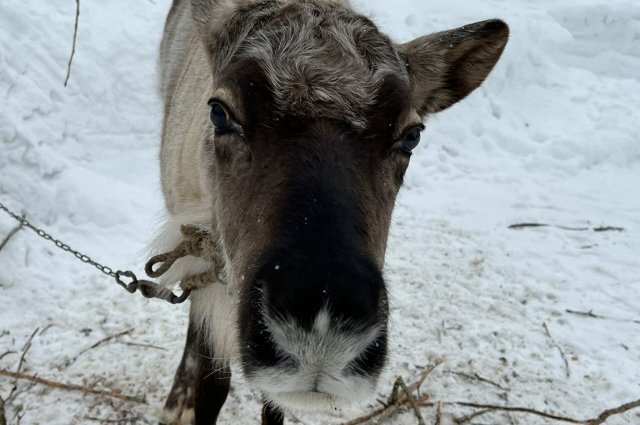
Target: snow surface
x,y
551,137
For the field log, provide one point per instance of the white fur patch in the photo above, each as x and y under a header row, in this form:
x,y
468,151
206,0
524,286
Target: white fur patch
x,y
319,382
177,417
168,416
214,307
305,401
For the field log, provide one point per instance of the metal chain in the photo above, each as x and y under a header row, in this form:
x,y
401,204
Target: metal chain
x,y
147,288
63,246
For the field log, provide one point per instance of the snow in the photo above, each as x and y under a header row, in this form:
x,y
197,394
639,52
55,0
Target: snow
x,y
551,137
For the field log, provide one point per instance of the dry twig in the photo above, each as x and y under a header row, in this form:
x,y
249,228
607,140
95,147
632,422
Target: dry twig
x,y
584,313
10,234
439,413
139,344
95,345
423,375
18,417
6,353
106,339
72,387
523,225
602,417
73,45
46,328
3,419
577,229
125,420
599,420
398,400
479,378
608,229
467,418
24,350
564,357
592,315
366,418
412,401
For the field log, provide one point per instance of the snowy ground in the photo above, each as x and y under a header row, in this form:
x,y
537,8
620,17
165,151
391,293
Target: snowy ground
x,y
552,137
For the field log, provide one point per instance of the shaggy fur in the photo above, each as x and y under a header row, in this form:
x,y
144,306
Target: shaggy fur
x,y
319,99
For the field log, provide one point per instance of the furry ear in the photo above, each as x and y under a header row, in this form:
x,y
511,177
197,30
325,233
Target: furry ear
x,y
446,66
205,12
219,31
202,11
221,24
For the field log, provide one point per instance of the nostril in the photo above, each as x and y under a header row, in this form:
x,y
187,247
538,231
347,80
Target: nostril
x,y
259,345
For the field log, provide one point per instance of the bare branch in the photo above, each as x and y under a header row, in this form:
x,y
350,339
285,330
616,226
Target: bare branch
x,y
3,419
608,229
576,229
602,417
125,420
72,387
524,225
6,353
592,315
479,378
467,418
599,420
24,350
73,46
10,234
425,373
564,357
584,313
400,400
366,418
46,328
139,344
439,413
97,344
412,401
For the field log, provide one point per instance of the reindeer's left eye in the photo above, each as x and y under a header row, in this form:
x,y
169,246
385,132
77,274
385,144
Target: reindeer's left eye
x,y
410,139
219,116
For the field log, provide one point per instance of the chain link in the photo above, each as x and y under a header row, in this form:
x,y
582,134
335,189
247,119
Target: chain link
x,y
147,288
63,246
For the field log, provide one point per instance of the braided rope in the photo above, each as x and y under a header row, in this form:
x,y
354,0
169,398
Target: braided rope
x,y
196,243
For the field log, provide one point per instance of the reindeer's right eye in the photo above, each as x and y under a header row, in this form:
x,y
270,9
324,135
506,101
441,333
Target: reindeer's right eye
x,y
219,116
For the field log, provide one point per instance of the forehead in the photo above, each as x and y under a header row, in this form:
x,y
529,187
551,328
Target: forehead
x,y
320,60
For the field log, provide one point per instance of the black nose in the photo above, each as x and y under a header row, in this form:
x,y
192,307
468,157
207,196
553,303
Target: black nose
x,y
350,287
318,322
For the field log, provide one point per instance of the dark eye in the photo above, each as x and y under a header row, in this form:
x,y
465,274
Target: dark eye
x,y
219,116
410,138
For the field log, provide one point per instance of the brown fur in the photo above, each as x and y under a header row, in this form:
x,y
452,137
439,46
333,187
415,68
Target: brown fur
x,y
303,77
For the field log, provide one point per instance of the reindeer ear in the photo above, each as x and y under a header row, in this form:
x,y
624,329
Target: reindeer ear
x,y
211,19
446,66
204,12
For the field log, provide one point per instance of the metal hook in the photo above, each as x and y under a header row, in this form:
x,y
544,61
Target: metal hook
x,y
150,289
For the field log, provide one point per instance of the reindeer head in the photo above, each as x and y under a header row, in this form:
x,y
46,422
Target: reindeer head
x,y
313,117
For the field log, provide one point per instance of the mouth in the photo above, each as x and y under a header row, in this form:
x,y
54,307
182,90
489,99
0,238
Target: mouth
x,y
305,401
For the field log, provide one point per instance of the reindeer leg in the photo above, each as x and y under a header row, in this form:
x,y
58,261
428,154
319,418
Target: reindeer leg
x,y
271,415
199,387
212,387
